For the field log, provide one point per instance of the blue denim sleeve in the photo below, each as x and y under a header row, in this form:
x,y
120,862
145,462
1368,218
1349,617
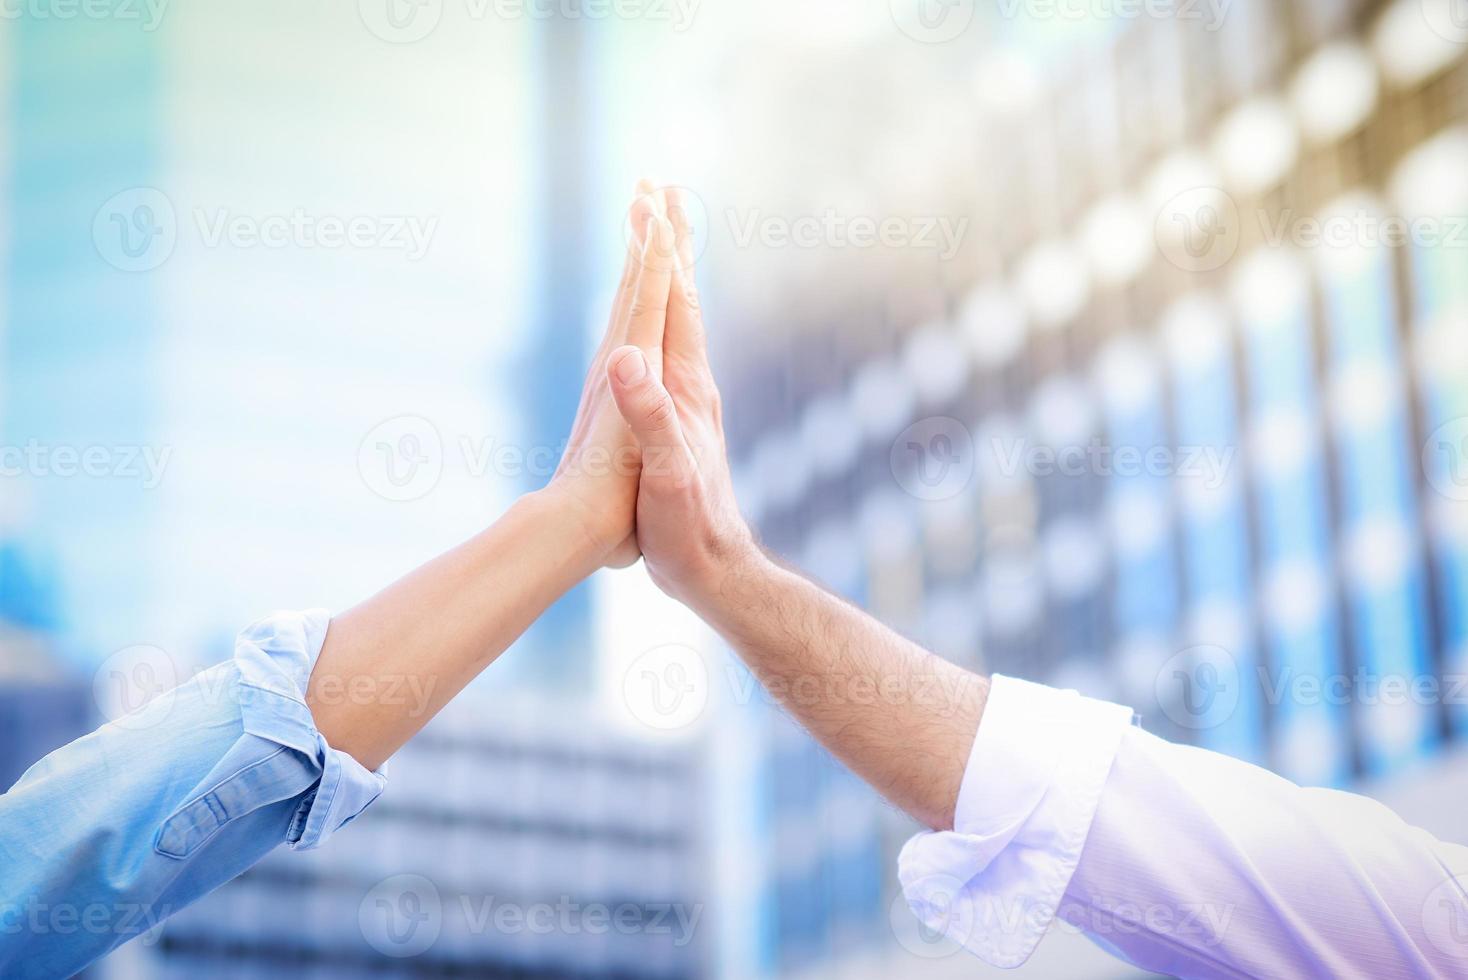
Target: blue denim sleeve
x,y
104,838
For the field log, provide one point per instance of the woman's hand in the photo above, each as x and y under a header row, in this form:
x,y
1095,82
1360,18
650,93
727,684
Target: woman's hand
x,y
598,474
439,626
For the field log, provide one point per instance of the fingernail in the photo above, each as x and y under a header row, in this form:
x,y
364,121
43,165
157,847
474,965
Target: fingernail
x,y
631,367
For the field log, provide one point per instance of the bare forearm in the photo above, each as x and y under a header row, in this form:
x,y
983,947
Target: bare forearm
x,y
900,717
392,662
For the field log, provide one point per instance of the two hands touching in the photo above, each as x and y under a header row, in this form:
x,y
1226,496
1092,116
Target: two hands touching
x,y
651,398
646,473
285,742
646,468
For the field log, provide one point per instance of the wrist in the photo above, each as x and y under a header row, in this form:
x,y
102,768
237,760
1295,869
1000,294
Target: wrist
x,y
571,526
730,564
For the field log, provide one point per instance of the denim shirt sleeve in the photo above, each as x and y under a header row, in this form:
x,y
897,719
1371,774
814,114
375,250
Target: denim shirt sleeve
x,y
106,837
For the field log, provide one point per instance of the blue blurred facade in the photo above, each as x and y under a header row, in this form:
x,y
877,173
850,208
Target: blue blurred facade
x,y
79,363
1279,611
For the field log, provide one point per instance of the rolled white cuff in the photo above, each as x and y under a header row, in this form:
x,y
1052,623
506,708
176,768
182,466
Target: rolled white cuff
x,y
1034,778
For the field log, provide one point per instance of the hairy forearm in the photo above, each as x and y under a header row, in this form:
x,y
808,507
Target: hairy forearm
x,y
900,717
392,662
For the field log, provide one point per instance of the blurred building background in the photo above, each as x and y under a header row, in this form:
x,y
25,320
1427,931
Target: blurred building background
x,y
1119,346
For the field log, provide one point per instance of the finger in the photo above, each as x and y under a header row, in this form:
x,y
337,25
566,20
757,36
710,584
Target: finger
x,y
662,253
640,216
677,212
648,313
646,406
685,334
647,203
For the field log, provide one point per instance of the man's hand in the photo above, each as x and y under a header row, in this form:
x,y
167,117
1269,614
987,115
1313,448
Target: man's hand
x,y
598,473
688,523
900,717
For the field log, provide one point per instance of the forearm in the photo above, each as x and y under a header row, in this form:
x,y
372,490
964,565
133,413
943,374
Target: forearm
x,y
392,662
900,717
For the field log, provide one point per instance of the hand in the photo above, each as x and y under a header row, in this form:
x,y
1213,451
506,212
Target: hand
x,y
699,550
689,527
599,470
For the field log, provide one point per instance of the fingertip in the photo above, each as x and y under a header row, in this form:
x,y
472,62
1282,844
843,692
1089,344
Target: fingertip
x,y
627,365
641,214
682,227
676,211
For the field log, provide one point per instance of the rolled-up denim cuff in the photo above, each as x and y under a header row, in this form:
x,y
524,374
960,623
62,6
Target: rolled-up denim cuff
x,y
280,755
345,790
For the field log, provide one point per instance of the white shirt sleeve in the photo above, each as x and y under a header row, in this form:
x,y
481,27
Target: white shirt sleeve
x,y
1176,859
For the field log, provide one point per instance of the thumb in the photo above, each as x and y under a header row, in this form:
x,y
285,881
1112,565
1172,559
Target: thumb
x,y
643,401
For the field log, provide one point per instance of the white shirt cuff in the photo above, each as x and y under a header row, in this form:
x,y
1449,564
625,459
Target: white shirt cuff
x,y
1033,781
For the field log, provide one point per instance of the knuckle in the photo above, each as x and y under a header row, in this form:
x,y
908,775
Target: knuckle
x,y
660,411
